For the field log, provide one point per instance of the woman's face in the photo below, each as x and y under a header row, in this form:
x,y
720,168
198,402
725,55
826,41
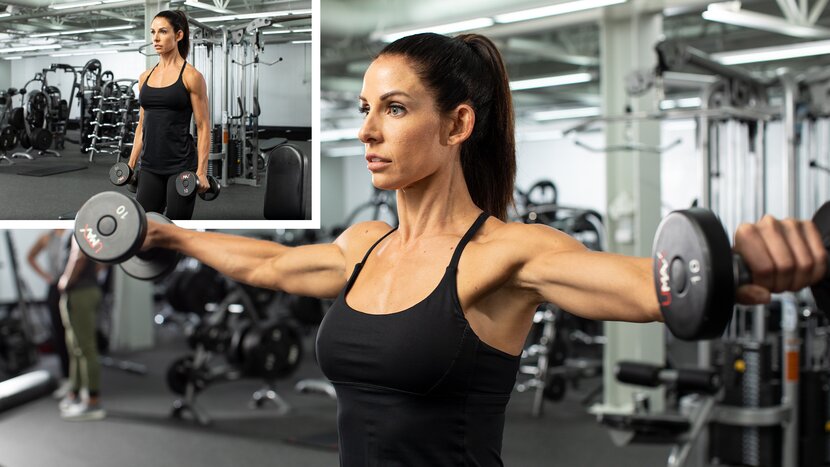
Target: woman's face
x,y
402,128
165,38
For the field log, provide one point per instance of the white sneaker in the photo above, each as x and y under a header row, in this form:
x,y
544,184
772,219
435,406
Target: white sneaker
x,y
83,412
62,389
67,402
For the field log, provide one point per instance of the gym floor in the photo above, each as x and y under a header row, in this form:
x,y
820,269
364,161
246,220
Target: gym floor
x,y
54,196
138,430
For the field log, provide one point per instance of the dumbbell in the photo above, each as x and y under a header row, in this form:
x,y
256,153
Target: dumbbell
x,y
187,183
110,228
122,174
696,275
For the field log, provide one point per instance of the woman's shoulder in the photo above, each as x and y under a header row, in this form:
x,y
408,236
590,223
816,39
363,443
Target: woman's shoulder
x,y
192,78
518,236
190,72
359,237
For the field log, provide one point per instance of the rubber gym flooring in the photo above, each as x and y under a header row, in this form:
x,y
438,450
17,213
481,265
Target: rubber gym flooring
x,y
49,197
138,430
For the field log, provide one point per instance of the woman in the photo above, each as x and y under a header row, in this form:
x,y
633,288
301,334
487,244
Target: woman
x,y
169,94
80,299
423,341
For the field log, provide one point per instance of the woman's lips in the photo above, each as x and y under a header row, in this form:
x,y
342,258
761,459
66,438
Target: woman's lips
x,y
375,162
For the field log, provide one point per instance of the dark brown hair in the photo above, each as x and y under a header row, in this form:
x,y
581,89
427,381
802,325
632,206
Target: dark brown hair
x,y
178,20
469,69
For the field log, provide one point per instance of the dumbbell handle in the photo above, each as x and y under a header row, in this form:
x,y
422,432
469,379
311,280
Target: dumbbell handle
x,y
740,271
645,374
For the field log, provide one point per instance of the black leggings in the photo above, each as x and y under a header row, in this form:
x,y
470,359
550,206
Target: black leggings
x,y
156,192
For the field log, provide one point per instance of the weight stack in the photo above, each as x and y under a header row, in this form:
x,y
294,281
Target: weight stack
x,y
216,139
750,380
812,418
235,158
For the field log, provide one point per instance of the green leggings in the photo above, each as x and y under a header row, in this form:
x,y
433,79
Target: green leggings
x,y
79,308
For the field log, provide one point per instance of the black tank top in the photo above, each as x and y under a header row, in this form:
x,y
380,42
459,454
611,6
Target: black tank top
x,y
417,387
167,144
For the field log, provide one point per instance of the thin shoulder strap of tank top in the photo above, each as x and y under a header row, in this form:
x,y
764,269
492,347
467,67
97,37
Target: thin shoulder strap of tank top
x,y
151,72
466,238
376,244
181,72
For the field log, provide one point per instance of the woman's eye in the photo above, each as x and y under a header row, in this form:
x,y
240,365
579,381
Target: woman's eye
x,y
396,110
364,109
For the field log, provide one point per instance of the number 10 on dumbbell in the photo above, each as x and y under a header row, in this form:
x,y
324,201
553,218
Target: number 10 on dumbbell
x,y
110,228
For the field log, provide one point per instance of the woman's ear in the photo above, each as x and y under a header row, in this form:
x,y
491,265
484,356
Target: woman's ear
x,y
462,121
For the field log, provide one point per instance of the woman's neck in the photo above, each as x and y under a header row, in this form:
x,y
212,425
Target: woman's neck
x,y
437,204
170,59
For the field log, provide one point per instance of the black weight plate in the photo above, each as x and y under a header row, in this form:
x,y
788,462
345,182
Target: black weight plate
x,y
554,388
693,278
25,141
213,191
271,351
41,138
821,290
37,102
187,184
110,209
120,173
8,138
154,263
17,118
181,372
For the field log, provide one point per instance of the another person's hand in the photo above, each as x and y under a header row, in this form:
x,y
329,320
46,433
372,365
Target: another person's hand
x,y
782,255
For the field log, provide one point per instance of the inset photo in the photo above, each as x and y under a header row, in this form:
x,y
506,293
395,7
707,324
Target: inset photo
x,y
200,110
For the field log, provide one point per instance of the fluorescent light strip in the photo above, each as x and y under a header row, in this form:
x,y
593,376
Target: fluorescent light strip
x,y
4,15
683,103
265,14
477,23
82,31
16,57
768,54
66,6
728,14
29,48
287,31
339,134
85,52
564,114
207,6
553,10
302,42
123,42
550,81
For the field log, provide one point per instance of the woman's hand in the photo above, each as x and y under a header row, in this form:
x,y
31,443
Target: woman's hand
x,y
204,185
157,235
782,255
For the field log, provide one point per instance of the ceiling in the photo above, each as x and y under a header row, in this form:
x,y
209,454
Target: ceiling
x,y
554,45
77,24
